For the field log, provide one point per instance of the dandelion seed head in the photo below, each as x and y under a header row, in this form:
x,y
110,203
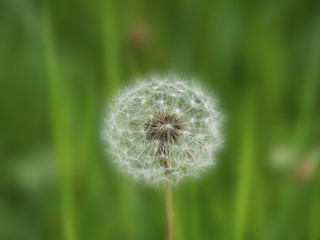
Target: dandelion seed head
x,y
163,125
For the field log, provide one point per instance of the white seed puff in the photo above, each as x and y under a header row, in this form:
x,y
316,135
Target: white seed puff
x,y
163,126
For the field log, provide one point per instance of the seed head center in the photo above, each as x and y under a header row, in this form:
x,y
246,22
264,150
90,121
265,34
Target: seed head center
x,y
164,128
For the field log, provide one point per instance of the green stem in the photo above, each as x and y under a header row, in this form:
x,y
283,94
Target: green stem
x,y
168,207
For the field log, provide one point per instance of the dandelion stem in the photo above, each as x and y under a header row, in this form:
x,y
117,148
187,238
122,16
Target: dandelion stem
x,y
168,206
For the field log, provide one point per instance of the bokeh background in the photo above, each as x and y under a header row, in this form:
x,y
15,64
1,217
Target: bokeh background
x,y
62,61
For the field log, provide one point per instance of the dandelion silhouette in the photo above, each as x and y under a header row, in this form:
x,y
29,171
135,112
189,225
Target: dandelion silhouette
x,y
163,129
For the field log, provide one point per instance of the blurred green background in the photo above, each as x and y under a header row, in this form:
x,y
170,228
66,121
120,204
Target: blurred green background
x,y
62,61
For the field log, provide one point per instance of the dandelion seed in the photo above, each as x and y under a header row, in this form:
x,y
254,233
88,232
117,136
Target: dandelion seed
x,y
161,126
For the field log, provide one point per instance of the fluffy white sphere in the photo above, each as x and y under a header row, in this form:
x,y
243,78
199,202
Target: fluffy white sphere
x,y
143,116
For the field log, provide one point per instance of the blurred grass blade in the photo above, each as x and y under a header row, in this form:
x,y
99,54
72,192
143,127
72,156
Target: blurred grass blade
x,y
60,122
